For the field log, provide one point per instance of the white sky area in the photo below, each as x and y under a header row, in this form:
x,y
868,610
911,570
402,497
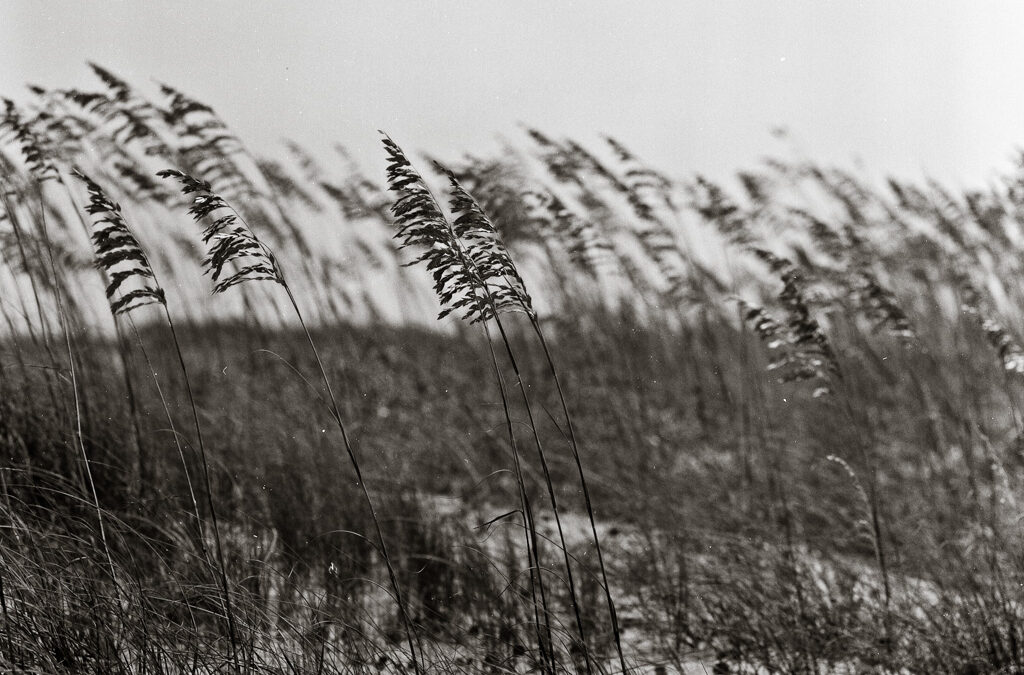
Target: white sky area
x,y
905,88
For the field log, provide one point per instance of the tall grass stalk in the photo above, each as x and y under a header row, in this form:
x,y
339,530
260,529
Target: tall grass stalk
x,y
549,484
616,633
231,244
32,271
176,436
422,222
115,245
336,414
79,436
139,472
208,485
541,610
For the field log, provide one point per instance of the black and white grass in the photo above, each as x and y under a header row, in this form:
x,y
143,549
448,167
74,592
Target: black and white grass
x,y
591,463
131,280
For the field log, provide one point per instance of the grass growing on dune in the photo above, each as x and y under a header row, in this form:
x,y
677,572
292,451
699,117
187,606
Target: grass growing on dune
x,y
770,426
699,566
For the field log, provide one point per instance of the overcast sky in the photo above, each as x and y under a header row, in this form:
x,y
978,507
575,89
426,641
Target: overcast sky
x,y
905,87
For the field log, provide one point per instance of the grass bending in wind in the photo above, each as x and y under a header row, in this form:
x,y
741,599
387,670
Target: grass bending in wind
x,y
122,259
236,255
854,428
473,271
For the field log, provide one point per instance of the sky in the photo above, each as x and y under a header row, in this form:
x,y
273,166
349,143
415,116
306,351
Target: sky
x,y
905,88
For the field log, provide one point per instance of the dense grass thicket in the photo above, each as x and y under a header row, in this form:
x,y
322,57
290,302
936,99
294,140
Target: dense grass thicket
x,y
662,425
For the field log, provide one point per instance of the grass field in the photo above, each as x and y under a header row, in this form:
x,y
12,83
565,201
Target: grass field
x,y
664,425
